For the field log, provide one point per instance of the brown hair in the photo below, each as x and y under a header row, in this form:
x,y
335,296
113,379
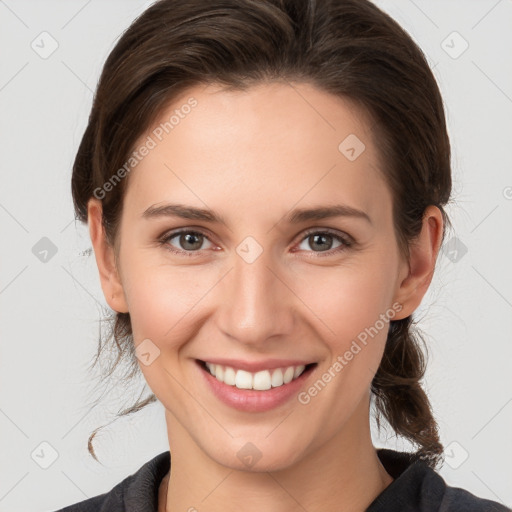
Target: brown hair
x,y
349,48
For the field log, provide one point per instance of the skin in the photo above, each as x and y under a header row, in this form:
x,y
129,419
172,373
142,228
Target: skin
x,y
253,157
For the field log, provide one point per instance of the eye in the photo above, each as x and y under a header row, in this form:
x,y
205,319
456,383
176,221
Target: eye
x,y
187,242
322,242
190,242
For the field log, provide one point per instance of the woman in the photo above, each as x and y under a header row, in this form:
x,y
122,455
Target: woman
x,y
264,185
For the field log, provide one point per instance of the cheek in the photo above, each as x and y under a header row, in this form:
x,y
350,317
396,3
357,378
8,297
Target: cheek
x,y
356,309
164,304
163,299
347,300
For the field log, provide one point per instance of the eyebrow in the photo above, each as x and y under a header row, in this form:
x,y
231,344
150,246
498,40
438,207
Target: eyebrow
x,y
296,216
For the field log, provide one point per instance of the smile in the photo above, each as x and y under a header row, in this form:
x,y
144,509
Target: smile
x,y
260,381
252,386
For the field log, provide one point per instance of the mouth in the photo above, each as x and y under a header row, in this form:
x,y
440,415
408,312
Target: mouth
x,y
262,380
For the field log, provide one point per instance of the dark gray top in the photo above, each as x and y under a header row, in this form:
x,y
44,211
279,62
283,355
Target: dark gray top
x,y
416,488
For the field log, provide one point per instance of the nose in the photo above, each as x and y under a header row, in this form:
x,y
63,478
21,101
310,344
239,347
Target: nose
x,y
256,302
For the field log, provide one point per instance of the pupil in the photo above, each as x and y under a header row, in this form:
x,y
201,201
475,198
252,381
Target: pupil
x,y
188,239
322,239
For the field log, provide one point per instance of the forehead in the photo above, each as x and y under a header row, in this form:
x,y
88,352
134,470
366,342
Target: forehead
x,y
272,144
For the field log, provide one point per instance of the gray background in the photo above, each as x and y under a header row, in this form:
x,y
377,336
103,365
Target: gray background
x,y
50,309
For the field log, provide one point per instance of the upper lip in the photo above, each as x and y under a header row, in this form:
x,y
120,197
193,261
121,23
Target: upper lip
x,y
255,366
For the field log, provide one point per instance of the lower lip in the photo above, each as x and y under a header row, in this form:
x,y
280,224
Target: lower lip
x,y
251,400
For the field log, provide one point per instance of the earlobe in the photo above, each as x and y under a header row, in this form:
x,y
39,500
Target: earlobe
x,y
105,259
423,254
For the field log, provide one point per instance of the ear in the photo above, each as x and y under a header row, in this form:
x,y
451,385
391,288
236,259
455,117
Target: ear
x,y
105,259
417,274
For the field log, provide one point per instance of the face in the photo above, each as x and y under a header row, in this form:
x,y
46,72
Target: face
x,y
255,282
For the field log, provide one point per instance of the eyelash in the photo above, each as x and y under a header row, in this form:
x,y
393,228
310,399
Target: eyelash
x,y
346,241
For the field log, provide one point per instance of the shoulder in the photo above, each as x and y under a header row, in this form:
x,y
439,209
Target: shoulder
x,y
417,487
445,498
95,504
456,499
137,492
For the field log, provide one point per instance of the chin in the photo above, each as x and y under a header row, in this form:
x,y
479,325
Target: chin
x,y
256,456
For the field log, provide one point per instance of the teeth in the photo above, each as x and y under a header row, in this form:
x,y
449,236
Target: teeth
x,y
260,381
229,376
288,374
243,379
277,378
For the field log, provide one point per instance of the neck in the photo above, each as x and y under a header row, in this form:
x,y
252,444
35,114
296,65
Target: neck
x,y
319,481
